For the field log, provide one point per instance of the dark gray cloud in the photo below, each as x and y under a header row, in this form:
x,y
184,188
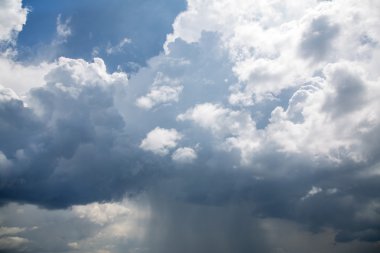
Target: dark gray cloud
x,y
17,122
62,146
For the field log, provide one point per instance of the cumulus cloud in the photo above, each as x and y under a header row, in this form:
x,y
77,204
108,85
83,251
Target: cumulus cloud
x,y
12,19
184,155
28,76
159,95
163,90
160,141
235,129
64,122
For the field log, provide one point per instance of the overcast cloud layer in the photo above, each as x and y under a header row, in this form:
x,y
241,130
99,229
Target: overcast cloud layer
x,y
255,129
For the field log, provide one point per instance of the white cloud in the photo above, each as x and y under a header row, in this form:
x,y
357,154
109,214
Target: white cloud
x,y
159,95
329,117
73,245
184,155
27,77
119,47
63,29
164,90
80,72
64,70
12,242
100,213
119,222
12,19
263,37
18,76
235,129
313,191
160,141
7,94
10,230
209,116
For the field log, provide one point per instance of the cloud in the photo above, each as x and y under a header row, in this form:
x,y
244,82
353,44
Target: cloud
x,y
63,29
159,95
164,90
208,116
348,86
235,129
12,242
12,19
160,141
271,106
64,122
10,230
81,231
119,47
184,155
322,102
100,213
317,40
29,76
314,190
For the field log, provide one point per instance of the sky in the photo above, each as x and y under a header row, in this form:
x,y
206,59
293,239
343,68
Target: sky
x,y
229,126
